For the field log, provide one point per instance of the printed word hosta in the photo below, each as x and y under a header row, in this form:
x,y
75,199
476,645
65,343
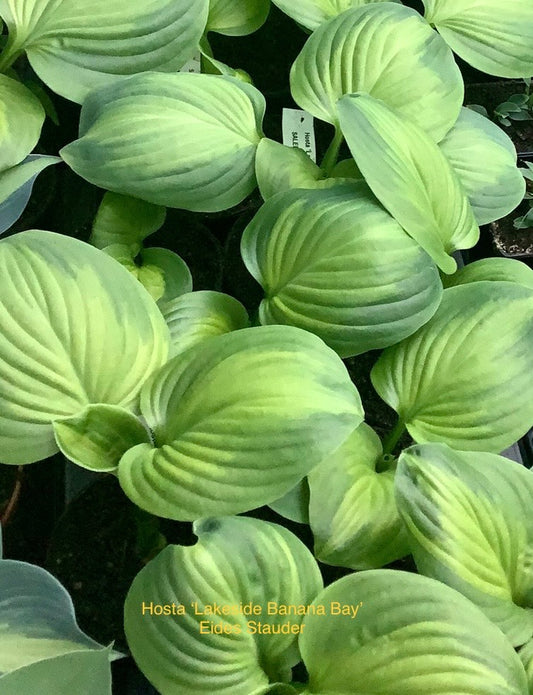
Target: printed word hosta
x,y
289,388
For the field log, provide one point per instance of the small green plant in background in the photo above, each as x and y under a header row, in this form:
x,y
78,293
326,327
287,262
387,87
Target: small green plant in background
x,y
518,107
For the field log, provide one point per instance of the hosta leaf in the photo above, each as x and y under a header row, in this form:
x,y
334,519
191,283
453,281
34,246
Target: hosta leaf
x,y
97,437
469,526
279,168
352,511
526,656
347,169
388,51
276,689
77,48
162,272
238,420
335,263
295,504
38,620
193,317
484,158
411,635
492,269
176,274
81,672
492,36
312,13
16,185
237,562
410,176
235,17
76,329
150,277
21,119
465,377
193,145
124,220
211,66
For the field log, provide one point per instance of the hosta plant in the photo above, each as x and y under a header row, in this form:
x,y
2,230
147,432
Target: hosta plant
x,y
203,406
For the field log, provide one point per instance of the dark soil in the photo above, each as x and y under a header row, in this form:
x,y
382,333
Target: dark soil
x,y
511,242
27,533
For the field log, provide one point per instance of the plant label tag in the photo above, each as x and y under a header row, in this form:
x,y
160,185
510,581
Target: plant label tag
x,y
298,129
194,64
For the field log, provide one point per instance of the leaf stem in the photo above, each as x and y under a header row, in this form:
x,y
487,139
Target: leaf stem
x,y
8,56
332,153
392,439
10,507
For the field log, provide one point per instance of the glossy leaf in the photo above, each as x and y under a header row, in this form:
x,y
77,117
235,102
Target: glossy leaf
x,y
388,51
410,176
465,378
237,421
16,185
335,263
237,561
21,119
235,17
468,520
193,145
492,36
124,220
352,510
410,635
76,329
484,159
493,270
196,316
97,437
76,49
312,13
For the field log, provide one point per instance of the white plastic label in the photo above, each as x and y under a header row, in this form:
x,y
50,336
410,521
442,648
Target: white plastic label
x,y
299,131
194,64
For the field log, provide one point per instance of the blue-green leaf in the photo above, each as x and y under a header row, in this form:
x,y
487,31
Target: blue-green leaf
x,y
76,48
465,378
333,262
410,176
235,17
193,145
21,119
197,316
352,510
469,526
484,159
312,13
16,185
237,562
237,421
77,329
388,51
493,36
410,635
